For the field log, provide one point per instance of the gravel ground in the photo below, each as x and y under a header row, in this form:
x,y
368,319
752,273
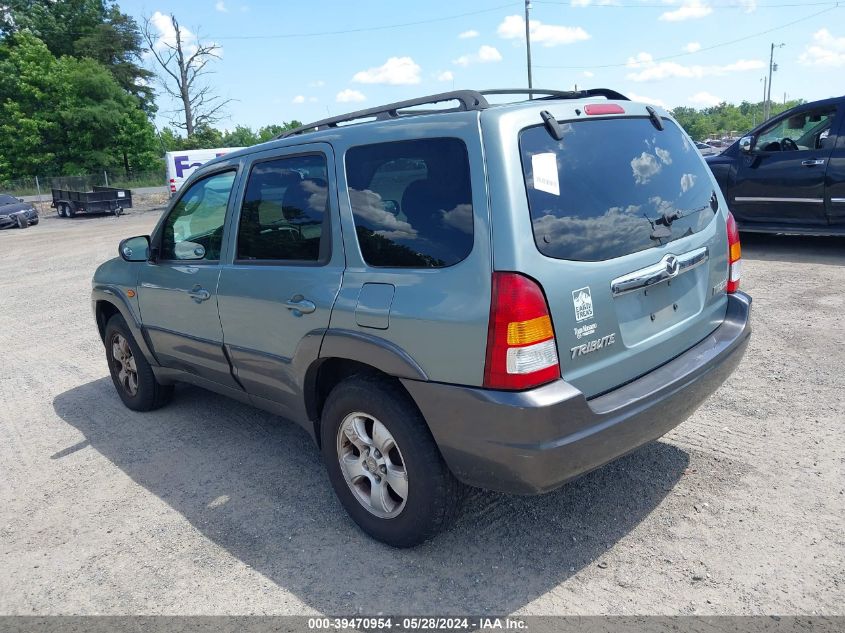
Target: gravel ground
x,y
212,507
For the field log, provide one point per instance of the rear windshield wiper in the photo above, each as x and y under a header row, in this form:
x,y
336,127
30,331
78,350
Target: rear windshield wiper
x,y
661,227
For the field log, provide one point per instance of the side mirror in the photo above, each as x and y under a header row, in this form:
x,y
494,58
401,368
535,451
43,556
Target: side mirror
x,y
135,249
20,200
746,143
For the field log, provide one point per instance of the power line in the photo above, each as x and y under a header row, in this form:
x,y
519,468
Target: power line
x,y
365,29
704,48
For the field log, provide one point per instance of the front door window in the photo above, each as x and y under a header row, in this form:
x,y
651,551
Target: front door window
x,y
194,228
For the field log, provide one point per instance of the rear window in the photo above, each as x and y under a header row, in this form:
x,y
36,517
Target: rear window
x,y
412,202
608,187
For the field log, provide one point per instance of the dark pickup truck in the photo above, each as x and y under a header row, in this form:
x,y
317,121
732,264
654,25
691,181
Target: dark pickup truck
x,y
788,174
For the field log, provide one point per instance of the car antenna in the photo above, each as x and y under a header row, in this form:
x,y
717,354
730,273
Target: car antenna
x,y
552,125
655,120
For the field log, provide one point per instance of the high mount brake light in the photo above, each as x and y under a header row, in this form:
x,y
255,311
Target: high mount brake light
x,y
603,108
521,347
734,255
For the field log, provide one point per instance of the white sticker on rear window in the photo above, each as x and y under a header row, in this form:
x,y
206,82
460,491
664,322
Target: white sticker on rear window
x,y
583,301
544,168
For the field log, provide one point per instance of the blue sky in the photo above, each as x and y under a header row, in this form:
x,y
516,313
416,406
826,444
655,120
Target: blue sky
x,y
654,50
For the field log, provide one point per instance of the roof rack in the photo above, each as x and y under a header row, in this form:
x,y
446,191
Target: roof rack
x,y
559,94
467,100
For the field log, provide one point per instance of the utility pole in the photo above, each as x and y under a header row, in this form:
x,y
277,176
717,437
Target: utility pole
x,y
528,47
772,67
764,100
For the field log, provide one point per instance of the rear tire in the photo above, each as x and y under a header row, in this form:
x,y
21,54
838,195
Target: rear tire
x,y
131,374
70,211
60,209
401,496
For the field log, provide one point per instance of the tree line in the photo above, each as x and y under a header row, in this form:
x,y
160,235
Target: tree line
x,y
77,92
725,119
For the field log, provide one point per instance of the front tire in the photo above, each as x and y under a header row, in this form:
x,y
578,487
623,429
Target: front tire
x,y
131,374
384,465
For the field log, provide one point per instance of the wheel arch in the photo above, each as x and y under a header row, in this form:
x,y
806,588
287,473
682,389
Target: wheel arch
x,y
346,353
106,303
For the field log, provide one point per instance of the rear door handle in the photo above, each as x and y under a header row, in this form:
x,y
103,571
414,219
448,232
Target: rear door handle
x,y
812,163
199,294
300,306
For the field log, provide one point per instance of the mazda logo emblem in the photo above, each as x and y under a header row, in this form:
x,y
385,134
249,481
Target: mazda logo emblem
x,y
673,266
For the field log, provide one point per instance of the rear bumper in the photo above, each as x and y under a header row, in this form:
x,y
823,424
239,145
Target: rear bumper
x,y
533,441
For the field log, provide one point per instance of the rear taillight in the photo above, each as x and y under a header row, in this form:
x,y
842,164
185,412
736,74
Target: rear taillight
x,y
734,255
521,349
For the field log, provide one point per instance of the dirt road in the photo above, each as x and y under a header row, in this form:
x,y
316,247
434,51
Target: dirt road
x,y
211,507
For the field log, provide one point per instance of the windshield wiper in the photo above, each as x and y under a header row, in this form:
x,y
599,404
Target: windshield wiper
x,y
661,227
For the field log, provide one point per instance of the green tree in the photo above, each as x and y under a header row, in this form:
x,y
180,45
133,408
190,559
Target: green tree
x,y
67,115
268,132
85,28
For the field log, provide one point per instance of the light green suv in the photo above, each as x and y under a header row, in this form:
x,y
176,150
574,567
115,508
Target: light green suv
x,y
503,296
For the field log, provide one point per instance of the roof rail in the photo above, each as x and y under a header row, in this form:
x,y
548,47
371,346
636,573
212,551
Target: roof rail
x,y
469,100
559,94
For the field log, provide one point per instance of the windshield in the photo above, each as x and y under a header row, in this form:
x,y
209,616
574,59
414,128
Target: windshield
x,y
611,187
4,199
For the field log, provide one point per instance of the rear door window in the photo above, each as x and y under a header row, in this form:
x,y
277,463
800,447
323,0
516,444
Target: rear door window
x,y
610,186
284,216
411,202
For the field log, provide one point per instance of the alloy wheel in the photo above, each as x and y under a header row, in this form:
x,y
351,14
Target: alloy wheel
x,y
372,465
124,364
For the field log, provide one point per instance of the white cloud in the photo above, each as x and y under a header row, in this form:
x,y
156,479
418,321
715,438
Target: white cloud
x,y
221,6
664,155
645,167
466,35
635,97
587,73
312,99
298,99
485,54
349,96
650,70
513,27
446,75
460,218
825,50
587,3
749,5
704,98
396,71
692,47
167,35
689,10
317,84
687,181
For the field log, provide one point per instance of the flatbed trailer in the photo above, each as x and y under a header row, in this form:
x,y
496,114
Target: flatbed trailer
x,y
68,202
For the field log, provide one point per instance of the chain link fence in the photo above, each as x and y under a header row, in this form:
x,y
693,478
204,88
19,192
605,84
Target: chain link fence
x,y
41,185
